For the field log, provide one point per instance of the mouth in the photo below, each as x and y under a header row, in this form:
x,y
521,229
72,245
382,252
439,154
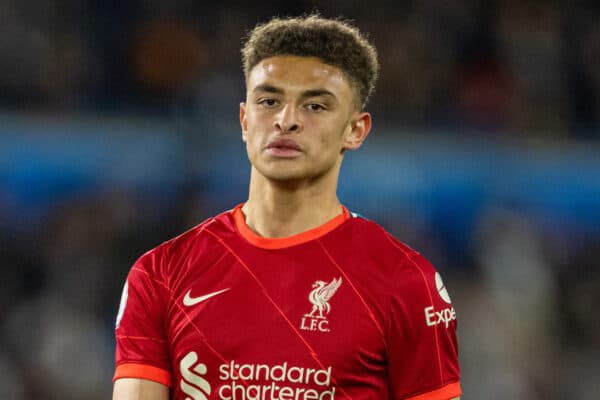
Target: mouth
x,y
283,148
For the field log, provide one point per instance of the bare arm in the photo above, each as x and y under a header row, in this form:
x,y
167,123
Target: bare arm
x,y
139,389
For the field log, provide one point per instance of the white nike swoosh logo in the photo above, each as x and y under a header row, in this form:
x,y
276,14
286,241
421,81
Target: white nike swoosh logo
x,y
191,301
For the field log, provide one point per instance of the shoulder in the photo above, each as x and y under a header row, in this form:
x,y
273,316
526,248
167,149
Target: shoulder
x,y
196,240
377,239
204,231
404,265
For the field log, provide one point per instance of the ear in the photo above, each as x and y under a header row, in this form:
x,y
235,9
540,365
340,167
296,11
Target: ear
x,y
360,126
243,123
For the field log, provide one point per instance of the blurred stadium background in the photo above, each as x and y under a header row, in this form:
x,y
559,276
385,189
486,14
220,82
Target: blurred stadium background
x,y
118,130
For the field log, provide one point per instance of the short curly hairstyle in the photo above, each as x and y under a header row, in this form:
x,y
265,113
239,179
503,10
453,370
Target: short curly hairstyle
x,y
333,41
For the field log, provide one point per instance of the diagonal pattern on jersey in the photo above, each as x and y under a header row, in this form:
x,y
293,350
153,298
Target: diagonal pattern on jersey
x,y
312,352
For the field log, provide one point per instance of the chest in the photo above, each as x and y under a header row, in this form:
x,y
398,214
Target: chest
x,y
262,316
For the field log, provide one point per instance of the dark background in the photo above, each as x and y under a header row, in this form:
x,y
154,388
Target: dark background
x,y
119,129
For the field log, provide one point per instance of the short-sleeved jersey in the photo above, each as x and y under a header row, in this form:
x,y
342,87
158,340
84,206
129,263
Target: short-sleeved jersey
x,y
343,311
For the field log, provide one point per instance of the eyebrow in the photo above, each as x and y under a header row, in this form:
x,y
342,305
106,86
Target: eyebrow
x,y
267,88
317,93
308,93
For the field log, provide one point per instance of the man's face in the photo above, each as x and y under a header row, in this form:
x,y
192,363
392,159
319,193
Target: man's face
x,y
298,118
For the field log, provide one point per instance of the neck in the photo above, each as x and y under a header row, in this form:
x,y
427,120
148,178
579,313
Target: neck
x,y
280,209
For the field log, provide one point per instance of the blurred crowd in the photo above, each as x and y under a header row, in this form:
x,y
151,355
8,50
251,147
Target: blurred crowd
x,y
527,294
506,66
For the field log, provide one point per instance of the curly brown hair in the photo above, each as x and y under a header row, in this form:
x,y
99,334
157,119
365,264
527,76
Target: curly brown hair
x,y
333,41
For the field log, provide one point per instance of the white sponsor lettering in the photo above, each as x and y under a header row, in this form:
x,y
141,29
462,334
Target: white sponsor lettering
x,y
237,391
191,374
277,373
444,316
257,381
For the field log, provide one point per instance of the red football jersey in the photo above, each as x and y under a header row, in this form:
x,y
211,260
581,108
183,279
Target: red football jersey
x,y
343,311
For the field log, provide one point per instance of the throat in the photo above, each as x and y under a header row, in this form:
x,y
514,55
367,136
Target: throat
x,y
277,209
287,220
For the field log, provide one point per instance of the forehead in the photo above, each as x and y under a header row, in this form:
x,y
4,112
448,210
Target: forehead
x,y
299,73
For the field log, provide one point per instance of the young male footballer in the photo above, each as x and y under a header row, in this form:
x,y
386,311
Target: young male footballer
x,y
289,295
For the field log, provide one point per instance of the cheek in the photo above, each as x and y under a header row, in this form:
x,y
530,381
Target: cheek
x,y
253,137
250,127
257,123
334,134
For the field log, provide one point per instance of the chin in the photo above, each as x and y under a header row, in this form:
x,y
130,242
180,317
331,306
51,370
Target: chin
x,y
282,176
279,170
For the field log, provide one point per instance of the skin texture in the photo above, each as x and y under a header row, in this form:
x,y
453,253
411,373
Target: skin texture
x,y
139,389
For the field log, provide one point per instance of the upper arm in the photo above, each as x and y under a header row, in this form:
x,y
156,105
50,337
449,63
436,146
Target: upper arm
x,y
421,335
141,342
135,389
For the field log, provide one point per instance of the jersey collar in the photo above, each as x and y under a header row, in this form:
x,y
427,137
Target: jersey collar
x,y
280,243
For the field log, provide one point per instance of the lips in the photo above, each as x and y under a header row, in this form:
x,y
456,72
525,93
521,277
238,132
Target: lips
x,y
283,144
283,148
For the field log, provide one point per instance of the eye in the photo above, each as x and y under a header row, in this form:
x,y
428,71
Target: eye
x,y
267,102
315,107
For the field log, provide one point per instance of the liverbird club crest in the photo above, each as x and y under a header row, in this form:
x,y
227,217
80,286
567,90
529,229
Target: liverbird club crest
x,y
319,296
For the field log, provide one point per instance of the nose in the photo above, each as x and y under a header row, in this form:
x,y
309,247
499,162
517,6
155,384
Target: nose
x,y
287,120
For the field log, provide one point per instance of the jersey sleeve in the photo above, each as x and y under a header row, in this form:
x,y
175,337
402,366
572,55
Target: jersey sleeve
x,y
141,345
421,334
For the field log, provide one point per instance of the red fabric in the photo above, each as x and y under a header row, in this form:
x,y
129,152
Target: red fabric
x,y
143,371
450,391
256,320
